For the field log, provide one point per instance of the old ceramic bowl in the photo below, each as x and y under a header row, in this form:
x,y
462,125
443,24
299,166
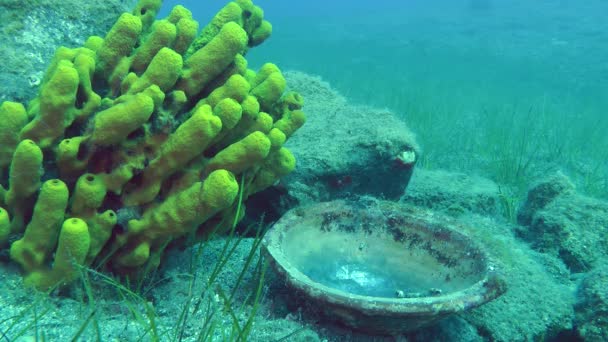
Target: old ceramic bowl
x,y
380,267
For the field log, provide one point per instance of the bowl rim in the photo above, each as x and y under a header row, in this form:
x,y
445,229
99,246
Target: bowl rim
x,y
490,286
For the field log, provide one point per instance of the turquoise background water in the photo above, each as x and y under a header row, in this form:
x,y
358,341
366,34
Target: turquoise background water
x,y
507,89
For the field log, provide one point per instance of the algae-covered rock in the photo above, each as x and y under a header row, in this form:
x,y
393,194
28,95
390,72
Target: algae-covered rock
x,y
32,30
565,224
358,149
541,194
454,193
592,306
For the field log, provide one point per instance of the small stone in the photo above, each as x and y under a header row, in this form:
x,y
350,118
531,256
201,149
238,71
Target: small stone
x,y
435,291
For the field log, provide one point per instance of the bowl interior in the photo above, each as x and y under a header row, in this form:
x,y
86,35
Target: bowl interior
x,y
384,254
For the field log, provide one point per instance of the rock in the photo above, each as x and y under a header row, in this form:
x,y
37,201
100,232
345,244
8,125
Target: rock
x,y
32,31
541,194
560,222
454,193
539,290
591,317
346,149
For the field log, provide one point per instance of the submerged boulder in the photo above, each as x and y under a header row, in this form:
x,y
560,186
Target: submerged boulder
x,y
563,223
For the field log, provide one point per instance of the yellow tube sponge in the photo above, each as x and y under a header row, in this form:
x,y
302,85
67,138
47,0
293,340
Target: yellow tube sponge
x,y
24,182
266,70
251,107
263,123
277,165
72,248
5,226
56,107
146,131
163,34
252,20
112,125
146,10
180,214
236,87
69,156
189,140
277,138
292,100
118,43
163,71
135,257
229,111
261,33
40,238
229,13
282,162
186,33
25,171
66,96
178,13
186,28
100,230
12,119
89,193
209,61
241,155
156,94
250,122
290,122
87,101
93,43
269,88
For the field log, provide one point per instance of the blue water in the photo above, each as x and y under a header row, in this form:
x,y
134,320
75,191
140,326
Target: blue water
x,y
484,83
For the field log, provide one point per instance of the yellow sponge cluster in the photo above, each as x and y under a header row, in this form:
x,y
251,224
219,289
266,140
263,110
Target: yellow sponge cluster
x,y
139,139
